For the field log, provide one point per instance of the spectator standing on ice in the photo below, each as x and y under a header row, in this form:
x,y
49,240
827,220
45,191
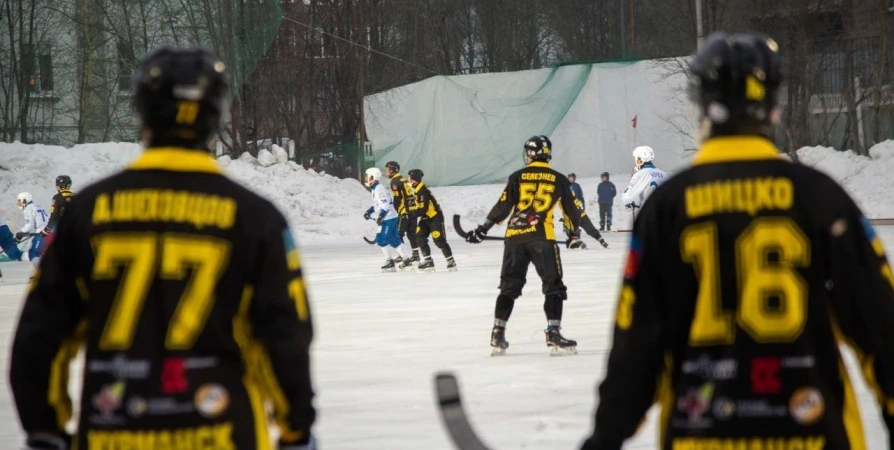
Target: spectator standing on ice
x,y
576,189
606,193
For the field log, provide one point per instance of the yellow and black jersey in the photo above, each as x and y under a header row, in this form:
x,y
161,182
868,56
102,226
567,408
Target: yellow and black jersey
x,y
530,197
402,193
186,291
425,206
745,273
57,207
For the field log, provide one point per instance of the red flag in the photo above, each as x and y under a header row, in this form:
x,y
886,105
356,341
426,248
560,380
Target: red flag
x,y
634,121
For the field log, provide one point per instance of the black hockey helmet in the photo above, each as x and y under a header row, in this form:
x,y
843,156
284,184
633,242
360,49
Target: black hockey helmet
x,y
539,148
179,95
393,166
735,79
415,174
63,181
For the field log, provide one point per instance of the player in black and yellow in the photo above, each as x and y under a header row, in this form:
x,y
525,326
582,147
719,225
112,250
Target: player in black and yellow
x,y
745,273
184,287
403,198
529,199
431,223
60,200
587,225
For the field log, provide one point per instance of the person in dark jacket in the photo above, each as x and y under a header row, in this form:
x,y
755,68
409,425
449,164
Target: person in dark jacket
x,y
606,193
575,188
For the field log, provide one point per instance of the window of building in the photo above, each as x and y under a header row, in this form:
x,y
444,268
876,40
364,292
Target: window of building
x,y
45,66
126,62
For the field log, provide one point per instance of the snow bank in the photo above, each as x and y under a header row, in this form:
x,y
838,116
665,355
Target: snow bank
x,y
319,207
867,179
325,209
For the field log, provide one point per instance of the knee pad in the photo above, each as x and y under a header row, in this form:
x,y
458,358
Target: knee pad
x,y
511,288
555,288
439,239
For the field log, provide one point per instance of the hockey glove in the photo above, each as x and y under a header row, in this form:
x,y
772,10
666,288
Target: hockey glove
x,y
47,441
20,235
575,244
311,444
380,219
368,214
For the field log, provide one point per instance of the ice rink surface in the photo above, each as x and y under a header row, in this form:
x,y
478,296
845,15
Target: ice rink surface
x,y
381,337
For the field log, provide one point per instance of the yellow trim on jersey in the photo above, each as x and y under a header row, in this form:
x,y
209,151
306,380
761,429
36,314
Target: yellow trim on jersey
x,y
242,336
850,411
735,148
539,164
549,228
174,159
57,392
665,397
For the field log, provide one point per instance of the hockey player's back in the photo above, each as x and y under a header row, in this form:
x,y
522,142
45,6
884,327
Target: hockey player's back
x,y
184,288
531,196
745,274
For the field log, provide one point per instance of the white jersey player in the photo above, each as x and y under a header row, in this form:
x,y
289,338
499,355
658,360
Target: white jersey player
x,y
388,237
36,219
644,181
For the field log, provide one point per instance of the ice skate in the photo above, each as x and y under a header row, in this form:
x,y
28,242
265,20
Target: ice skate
x,y
389,266
558,345
426,266
451,266
414,258
498,342
405,264
398,260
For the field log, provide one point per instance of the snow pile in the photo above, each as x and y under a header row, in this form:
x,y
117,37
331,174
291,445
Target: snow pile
x,y
325,209
867,179
319,207
34,168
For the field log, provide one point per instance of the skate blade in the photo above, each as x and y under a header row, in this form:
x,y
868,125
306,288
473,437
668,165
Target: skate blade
x,y
451,269
497,351
429,270
388,270
559,351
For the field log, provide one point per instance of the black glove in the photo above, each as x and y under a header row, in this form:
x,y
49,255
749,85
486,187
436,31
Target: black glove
x,y
20,235
477,235
574,240
307,444
380,219
48,441
367,215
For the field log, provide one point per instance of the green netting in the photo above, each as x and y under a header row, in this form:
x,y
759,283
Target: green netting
x,y
238,31
470,129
